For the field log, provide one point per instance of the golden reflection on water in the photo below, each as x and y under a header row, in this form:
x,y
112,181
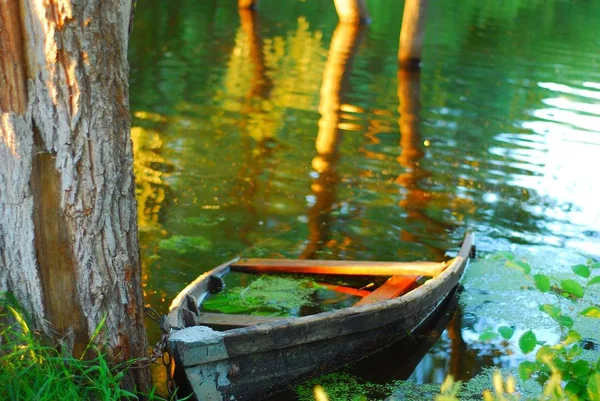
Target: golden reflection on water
x,y
344,43
151,186
415,199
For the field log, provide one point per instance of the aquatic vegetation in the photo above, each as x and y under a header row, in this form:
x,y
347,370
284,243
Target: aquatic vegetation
x,y
268,295
562,368
32,369
343,387
184,244
203,220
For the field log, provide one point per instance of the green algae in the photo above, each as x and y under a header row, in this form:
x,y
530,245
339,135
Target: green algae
x,y
267,295
185,244
343,387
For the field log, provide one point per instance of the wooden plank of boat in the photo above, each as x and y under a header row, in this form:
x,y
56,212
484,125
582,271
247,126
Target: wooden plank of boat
x,y
338,267
393,287
345,290
230,321
252,362
194,293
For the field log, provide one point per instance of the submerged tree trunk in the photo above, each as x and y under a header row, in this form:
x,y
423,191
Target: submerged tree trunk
x,y
412,33
354,11
68,219
247,4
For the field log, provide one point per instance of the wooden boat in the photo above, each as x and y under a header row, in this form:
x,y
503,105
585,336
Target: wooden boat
x,y
262,355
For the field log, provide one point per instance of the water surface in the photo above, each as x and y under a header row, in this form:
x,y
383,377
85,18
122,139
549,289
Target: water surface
x,y
280,134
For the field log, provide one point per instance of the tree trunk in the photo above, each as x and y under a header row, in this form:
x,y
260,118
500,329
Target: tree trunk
x,y
247,4
412,33
68,218
354,11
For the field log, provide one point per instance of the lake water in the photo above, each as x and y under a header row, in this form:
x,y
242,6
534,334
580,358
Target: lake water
x,y
279,134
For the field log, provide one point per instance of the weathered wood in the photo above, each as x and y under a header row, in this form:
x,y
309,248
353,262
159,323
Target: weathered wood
x,y
13,95
338,267
412,33
57,267
224,320
67,191
393,287
196,291
345,290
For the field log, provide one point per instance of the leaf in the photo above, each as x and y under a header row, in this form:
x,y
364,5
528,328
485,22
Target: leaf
x,y
574,352
565,321
595,265
572,388
572,337
580,368
581,270
551,310
520,265
526,369
572,287
506,255
542,282
593,386
527,342
591,311
594,280
546,354
488,336
506,332
524,266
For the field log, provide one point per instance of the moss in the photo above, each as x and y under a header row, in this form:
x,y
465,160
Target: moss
x,y
411,391
343,387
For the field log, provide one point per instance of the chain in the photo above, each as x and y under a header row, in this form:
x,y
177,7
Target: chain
x,y
160,350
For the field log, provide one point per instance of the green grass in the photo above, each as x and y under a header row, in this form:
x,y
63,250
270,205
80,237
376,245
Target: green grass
x,y
30,369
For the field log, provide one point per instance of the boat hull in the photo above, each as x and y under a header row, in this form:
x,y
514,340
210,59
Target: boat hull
x,y
258,375
254,362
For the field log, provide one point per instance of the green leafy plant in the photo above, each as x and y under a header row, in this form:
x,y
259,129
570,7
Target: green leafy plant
x,y
341,387
559,368
32,369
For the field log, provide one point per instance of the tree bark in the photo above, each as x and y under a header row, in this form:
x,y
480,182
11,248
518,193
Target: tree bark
x,y
68,217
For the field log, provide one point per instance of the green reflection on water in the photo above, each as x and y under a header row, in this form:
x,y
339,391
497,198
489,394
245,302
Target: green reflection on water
x,y
266,135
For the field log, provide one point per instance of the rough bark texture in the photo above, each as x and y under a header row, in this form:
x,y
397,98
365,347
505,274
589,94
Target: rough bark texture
x,y
68,218
412,33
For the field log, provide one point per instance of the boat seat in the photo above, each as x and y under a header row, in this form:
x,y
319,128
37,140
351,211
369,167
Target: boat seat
x,y
395,286
339,267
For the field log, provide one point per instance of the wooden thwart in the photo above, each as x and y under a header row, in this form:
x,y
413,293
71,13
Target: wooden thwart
x,y
339,267
228,320
395,286
345,290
